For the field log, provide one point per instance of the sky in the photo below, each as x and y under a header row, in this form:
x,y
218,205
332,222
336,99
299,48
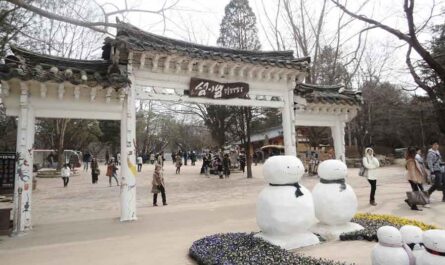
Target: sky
x,y
199,21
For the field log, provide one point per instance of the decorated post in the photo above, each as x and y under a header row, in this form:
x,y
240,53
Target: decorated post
x,y
23,178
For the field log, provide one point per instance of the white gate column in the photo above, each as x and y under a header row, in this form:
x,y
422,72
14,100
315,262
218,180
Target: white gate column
x,y
24,166
288,124
338,134
128,157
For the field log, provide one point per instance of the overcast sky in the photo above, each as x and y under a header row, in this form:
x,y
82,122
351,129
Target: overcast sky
x,y
199,21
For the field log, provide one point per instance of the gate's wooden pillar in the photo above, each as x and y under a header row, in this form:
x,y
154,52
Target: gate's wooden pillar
x,y
24,166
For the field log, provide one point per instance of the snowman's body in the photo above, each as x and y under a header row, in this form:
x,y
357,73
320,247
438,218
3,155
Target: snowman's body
x,y
434,252
335,203
283,217
412,236
389,250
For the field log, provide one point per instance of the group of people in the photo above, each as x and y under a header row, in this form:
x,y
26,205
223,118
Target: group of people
x,y
89,160
419,171
220,165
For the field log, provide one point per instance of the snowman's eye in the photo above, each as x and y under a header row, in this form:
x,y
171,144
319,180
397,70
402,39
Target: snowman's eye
x,y
287,166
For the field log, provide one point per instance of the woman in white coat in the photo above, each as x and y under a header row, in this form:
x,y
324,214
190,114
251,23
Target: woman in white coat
x,y
371,164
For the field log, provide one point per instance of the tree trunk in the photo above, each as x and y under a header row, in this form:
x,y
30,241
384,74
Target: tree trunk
x,y
61,125
248,117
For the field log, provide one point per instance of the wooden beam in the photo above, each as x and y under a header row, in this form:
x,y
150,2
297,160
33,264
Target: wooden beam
x,y
93,94
77,92
178,64
155,63
61,91
145,95
142,61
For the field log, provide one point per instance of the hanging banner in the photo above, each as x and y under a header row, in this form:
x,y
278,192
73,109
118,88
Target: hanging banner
x,y
212,89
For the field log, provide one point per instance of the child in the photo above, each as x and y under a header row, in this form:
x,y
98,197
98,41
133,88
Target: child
x,y
65,173
158,185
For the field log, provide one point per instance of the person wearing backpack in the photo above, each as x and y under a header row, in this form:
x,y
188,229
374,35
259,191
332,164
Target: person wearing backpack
x,y
434,163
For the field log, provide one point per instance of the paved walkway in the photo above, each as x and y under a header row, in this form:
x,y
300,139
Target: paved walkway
x,y
80,224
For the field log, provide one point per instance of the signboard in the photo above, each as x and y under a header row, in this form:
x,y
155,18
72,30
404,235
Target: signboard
x,y
215,90
7,172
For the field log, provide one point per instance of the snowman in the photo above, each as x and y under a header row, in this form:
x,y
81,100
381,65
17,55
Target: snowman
x,y
285,209
335,201
390,250
412,236
434,244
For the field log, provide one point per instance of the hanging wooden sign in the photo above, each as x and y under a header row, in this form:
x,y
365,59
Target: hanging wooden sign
x,y
215,90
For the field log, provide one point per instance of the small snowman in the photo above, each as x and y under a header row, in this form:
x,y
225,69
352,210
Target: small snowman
x,y
335,201
412,236
434,244
390,250
285,209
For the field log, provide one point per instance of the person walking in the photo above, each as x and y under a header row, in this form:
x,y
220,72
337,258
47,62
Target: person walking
x,y
434,162
371,164
414,175
242,162
158,185
185,157
178,164
139,162
193,157
112,171
152,158
219,166
226,165
107,157
95,171
173,158
86,161
65,173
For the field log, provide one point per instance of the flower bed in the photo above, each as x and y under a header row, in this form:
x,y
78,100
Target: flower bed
x,y
372,222
243,248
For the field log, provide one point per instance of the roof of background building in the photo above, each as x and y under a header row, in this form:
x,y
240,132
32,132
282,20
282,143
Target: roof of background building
x,y
138,40
27,65
335,94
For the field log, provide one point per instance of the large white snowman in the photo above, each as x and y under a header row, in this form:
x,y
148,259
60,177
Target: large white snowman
x,y
434,244
335,201
390,249
285,209
412,236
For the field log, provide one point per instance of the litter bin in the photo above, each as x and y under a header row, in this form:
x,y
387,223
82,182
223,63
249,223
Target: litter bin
x,y
5,223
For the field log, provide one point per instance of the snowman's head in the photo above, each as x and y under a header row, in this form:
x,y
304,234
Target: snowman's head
x,y
434,239
389,235
332,169
283,169
411,234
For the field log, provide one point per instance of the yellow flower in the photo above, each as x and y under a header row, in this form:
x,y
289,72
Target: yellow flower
x,y
399,221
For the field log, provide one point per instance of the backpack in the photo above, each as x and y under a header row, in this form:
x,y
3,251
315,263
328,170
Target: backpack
x,y
437,159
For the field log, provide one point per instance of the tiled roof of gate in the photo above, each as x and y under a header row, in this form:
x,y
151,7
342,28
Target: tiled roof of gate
x,y
27,65
335,94
138,40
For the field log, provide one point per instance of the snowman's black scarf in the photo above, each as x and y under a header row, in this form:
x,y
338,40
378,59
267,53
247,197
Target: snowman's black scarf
x,y
342,182
437,253
298,192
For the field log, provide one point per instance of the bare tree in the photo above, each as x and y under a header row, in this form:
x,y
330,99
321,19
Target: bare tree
x,y
434,91
101,25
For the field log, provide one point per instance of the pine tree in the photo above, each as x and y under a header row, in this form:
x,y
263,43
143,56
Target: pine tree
x,y
238,31
238,27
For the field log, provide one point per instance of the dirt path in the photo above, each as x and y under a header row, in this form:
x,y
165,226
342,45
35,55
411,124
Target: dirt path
x,y
79,224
